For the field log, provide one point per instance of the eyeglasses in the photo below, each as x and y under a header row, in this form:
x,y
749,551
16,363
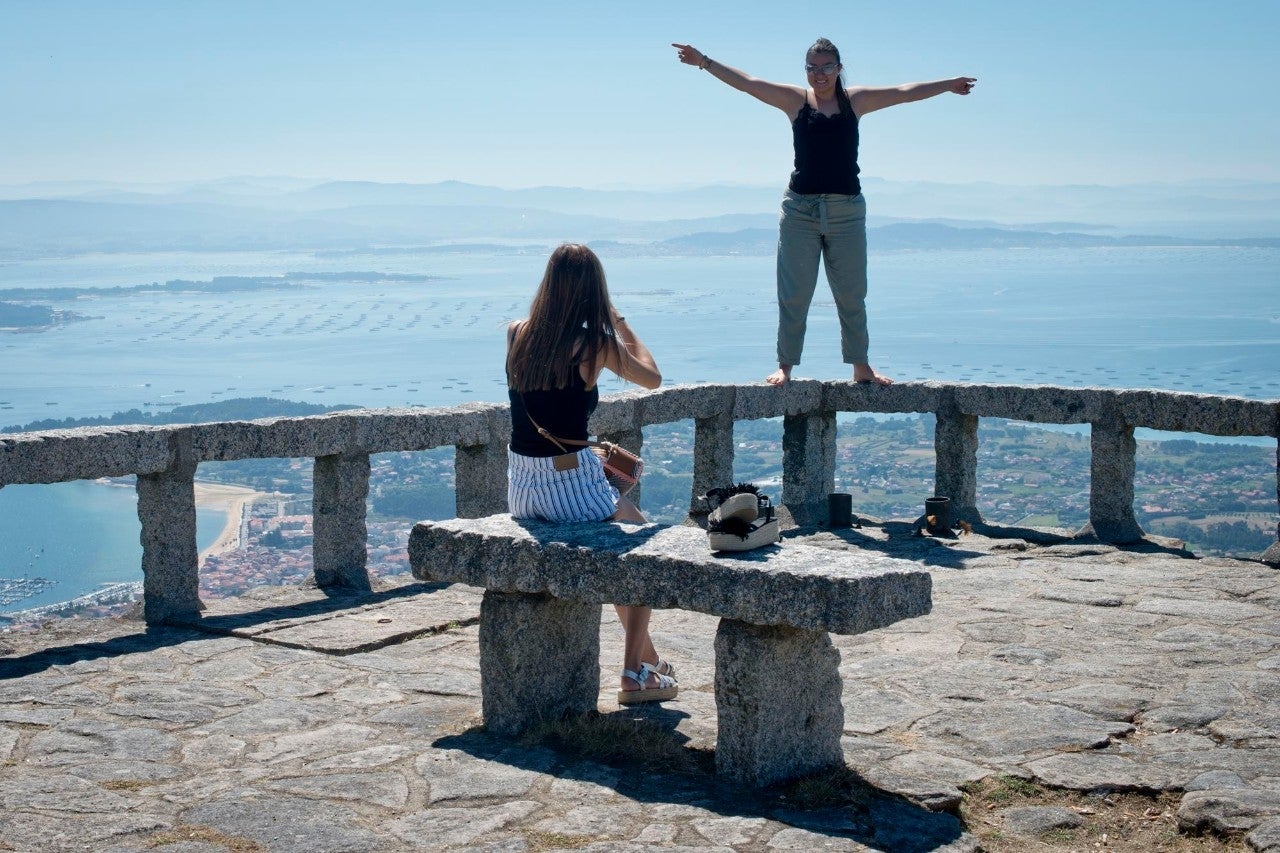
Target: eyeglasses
x,y
825,69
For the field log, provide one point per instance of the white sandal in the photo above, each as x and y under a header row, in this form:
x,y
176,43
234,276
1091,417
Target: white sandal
x,y
665,667
666,689
745,528
744,506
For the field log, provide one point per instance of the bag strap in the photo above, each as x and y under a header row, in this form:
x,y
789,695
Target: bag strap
x,y
561,442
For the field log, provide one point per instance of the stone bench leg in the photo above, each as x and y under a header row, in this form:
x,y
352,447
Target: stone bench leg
x,y
539,659
778,699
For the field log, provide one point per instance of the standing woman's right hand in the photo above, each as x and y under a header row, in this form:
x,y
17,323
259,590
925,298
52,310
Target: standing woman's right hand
x,y
789,99
690,55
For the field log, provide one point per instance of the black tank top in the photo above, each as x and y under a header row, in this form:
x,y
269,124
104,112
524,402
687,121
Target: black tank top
x,y
826,152
563,412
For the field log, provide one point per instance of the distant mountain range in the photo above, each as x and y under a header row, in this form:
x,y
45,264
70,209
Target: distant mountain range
x,y
235,409
284,213
920,236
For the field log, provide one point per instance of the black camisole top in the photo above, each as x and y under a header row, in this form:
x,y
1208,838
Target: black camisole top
x,y
826,153
563,412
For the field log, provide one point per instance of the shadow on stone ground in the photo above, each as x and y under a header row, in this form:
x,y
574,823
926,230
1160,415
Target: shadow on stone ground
x,y
838,804
1056,687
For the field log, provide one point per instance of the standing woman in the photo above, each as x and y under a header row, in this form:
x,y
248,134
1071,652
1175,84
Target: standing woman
x,y
823,212
554,359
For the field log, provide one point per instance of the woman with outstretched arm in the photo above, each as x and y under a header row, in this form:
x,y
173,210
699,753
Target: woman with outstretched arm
x,y
823,213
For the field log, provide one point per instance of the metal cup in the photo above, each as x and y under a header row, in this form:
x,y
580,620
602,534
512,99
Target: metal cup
x,y
839,510
939,509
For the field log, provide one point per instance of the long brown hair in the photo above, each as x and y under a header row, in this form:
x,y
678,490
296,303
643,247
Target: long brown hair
x,y
570,322
823,45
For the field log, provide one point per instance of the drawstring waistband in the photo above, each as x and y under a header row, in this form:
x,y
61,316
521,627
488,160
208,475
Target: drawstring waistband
x,y
817,204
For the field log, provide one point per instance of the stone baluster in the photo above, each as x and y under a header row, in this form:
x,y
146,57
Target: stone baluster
x,y
1272,554
712,456
480,477
480,470
170,557
340,536
955,445
808,464
1111,471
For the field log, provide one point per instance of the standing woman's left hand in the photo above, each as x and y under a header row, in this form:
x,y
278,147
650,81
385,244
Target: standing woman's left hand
x,y
963,85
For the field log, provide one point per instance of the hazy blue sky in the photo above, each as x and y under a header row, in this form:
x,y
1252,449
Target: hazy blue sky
x,y
590,94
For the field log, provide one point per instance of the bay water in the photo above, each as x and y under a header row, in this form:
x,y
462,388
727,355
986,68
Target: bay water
x,y
80,535
1190,319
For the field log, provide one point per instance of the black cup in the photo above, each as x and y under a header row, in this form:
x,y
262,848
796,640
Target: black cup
x,y
839,509
940,509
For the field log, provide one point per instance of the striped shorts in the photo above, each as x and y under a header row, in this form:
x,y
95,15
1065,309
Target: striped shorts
x,y
535,489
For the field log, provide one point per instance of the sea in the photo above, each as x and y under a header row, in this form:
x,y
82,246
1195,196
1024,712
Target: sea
x,y
1201,319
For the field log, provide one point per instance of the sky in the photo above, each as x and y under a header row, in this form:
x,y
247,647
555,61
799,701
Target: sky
x,y
518,94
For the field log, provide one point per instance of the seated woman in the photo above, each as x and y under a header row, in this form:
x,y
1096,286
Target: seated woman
x,y
554,358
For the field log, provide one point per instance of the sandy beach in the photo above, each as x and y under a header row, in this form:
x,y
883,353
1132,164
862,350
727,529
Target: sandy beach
x,y
231,499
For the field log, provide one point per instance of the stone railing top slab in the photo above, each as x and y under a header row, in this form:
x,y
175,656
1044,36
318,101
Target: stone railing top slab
x,y
54,456
672,567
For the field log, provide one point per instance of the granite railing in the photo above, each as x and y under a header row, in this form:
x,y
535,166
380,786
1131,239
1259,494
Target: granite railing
x,y
165,458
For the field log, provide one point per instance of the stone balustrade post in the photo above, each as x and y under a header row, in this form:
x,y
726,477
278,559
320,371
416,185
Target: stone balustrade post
x,y
808,464
712,456
480,477
340,535
1111,471
170,556
633,440
955,446
1272,554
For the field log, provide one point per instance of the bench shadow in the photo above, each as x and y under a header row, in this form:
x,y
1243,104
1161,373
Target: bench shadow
x,y
836,803
907,540
903,543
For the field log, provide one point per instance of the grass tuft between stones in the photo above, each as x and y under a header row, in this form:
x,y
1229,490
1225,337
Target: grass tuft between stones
x,y
1061,834
539,841
834,788
185,833
1118,822
1003,790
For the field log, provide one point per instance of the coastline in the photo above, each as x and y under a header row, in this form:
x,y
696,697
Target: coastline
x,y
233,500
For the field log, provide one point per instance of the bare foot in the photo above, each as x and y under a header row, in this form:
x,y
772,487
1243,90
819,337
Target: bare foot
x,y
864,374
781,376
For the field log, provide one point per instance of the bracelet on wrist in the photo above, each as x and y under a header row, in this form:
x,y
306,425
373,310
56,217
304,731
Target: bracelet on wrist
x,y
706,62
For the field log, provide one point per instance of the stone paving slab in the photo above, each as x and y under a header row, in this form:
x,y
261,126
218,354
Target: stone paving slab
x,y
118,738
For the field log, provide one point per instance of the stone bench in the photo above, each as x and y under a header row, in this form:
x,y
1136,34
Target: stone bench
x,y
777,682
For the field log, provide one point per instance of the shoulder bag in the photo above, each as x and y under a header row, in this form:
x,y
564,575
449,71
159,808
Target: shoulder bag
x,y
622,468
